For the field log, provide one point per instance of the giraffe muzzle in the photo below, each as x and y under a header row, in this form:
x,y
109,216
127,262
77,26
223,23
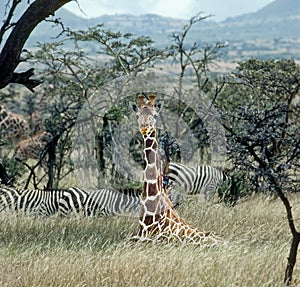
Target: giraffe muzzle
x,y
144,131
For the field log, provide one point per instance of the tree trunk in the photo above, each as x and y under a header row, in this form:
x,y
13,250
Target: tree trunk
x,y
10,54
296,235
291,260
51,147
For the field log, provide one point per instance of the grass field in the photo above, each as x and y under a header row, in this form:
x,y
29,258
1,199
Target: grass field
x,y
98,252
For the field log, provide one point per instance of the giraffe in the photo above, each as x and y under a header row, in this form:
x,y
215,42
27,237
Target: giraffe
x,y
158,219
35,121
32,147
13,126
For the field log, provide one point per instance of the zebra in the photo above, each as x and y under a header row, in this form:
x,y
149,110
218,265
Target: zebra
x,y
111,202
194,180
105,202
102,202
108,202
42,202
98,202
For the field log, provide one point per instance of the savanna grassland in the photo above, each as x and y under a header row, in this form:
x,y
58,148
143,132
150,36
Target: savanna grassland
x,y
74,251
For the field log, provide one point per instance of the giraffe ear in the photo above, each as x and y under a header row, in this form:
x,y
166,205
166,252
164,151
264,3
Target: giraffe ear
x,y
141,100
152,99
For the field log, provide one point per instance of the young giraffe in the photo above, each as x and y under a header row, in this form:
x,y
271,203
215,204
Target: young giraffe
x,y
158,219
13,126
33,146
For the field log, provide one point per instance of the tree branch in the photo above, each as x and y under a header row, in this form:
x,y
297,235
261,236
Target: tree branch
x,y
24,79
7,22
10,54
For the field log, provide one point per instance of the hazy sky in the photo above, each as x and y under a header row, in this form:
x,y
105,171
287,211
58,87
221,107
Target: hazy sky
x,y
172,8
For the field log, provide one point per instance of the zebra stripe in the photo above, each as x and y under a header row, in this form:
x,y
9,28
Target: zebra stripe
x,y
200,179
102,202
106,202
42,202
73,200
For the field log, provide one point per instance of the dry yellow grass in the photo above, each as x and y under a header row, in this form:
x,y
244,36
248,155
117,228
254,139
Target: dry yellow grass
x,y
98,252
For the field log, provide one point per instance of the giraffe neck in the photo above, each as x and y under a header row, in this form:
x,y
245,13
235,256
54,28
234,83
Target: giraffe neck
x,y
152,172
152,201
3,115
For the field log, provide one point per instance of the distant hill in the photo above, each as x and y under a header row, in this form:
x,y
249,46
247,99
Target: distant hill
x,y
272,31
277,20
145,24
152,25
280,9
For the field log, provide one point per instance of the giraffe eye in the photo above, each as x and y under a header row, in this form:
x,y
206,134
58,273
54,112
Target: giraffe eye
x,y
151,120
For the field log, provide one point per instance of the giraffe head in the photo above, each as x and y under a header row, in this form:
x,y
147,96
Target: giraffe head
x,y
147,115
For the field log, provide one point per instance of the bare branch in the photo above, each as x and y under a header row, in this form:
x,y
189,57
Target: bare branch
x,y
7,22
24,79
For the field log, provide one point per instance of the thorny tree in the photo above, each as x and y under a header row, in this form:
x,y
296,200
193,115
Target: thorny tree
x,y
14,32
261,116
71,75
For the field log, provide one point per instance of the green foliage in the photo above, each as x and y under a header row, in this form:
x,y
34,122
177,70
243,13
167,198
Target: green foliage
x,y
262,122
13,168
233,188
260,84
126,53
72,76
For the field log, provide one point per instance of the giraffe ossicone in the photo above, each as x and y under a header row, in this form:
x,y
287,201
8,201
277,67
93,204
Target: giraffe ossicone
x,y
158,219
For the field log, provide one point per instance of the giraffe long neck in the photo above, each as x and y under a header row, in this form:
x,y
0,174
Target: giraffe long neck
x,y
152,172
153,204
3,115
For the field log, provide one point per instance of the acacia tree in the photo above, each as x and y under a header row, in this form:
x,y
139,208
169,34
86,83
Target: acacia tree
x,y
71,74
261,116
194,62
197,57
18,32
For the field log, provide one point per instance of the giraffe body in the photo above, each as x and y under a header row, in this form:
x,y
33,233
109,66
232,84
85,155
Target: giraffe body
x,y
13,126
32,147
158,219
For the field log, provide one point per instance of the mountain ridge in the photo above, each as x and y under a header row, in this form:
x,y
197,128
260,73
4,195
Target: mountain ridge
x,y
280,8
275,24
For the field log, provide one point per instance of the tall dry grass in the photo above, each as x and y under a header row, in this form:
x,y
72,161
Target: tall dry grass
x,y
97,251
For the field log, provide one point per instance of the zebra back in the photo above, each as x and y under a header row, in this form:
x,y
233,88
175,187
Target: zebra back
x,y
104,202
207,181
42,202
73,200
182,175
194,180
28,201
